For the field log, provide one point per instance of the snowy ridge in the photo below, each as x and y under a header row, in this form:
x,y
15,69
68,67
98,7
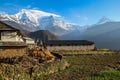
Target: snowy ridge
x,y
39,20
104,20
31,16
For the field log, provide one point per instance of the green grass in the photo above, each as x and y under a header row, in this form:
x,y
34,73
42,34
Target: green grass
x,y
82,67
107,75
15,72
85,67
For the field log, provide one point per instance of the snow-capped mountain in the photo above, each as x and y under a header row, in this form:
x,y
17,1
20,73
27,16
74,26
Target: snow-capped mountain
x,y
6,17
104,35
32,16
104,20
39,20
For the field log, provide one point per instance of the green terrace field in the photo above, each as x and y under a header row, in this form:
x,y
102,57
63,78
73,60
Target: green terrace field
x,y
89,67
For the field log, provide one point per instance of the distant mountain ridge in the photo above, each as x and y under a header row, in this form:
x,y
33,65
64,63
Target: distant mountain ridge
x,y
104,35
104,20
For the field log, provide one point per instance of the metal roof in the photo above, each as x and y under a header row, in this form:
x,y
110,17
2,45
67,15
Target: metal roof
x,y
69,42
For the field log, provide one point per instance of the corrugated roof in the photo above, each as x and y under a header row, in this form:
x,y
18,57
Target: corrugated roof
x,y
69,42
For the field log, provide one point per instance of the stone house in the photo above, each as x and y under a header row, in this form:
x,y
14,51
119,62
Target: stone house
x,y
11,41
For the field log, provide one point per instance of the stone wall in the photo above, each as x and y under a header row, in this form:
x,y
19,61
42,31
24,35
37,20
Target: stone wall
x,y
74,47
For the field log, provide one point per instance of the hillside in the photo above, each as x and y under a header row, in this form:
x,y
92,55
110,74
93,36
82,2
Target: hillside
x,y
43,35
104,35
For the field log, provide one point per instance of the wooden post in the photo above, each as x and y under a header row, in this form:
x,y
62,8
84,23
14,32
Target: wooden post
x,y
0,35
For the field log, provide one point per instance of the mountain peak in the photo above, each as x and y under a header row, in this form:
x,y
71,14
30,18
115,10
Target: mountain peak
x,y
23,10
104,20
32,16
40,20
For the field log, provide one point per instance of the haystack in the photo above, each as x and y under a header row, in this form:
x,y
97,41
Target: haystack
x,y
43,54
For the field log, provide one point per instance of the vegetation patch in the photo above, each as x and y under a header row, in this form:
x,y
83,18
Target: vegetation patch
x,y
106,75
28,68
83,67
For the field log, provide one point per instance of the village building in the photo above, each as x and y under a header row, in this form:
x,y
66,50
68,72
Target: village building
x,y
69,45
11,41
48,40
30,42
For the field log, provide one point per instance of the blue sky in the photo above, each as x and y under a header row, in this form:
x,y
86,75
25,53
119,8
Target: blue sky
x,y
81,12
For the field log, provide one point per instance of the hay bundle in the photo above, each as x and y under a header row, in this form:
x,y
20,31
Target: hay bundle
x,y
9,53
42,53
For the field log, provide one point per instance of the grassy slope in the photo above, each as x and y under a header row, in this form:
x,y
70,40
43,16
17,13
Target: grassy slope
x,y
86,66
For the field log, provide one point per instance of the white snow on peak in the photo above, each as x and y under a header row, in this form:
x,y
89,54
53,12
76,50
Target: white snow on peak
x,y
34,13
5,17
104,20
32,16
39,20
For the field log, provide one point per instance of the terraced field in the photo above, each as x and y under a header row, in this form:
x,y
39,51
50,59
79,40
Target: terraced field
x,y
89,67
